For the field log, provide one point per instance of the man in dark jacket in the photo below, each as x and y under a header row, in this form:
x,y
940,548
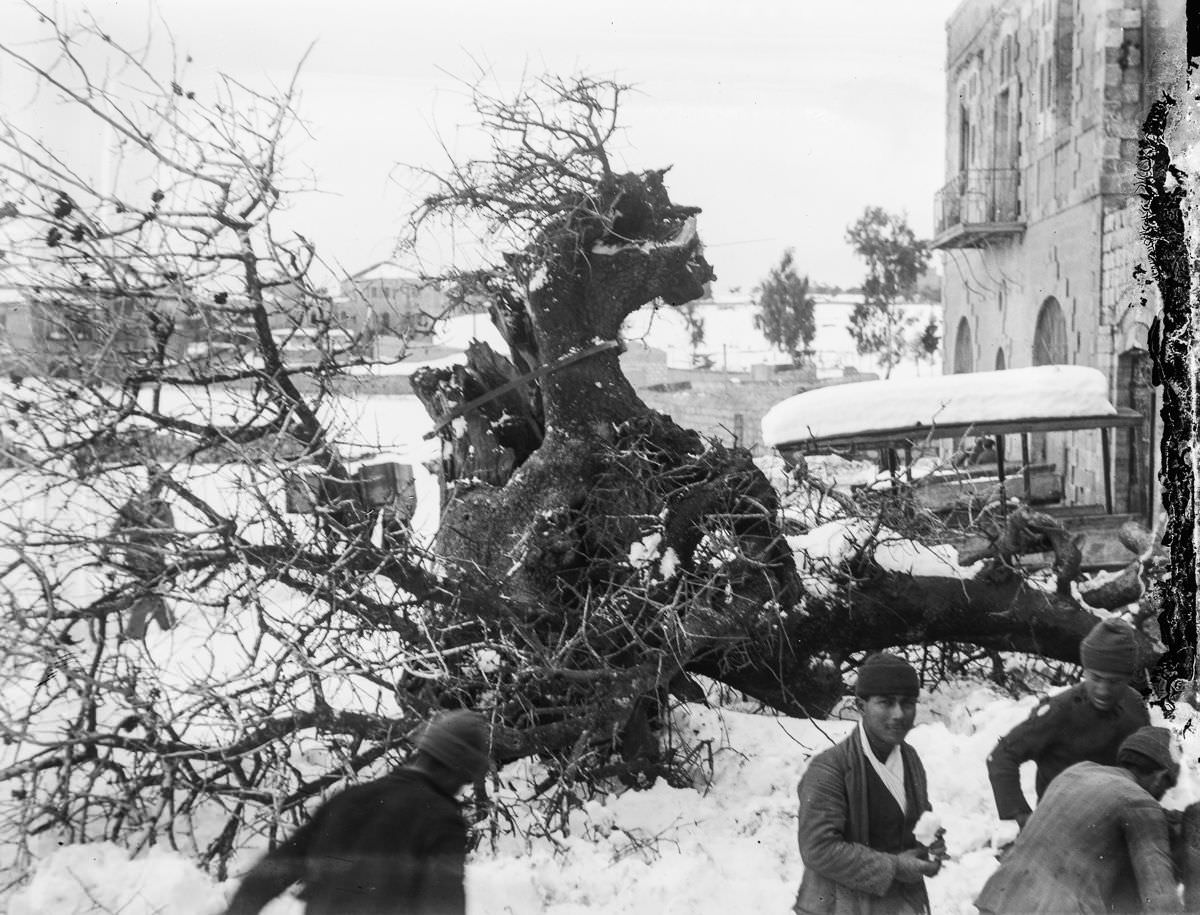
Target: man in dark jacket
x,y
1097,842
396,845
1086,722
859,803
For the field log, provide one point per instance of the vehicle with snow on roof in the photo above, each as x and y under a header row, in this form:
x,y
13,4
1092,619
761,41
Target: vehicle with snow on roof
x,y
905,423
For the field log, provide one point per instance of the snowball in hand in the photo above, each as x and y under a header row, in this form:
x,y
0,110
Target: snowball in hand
x,y
927,828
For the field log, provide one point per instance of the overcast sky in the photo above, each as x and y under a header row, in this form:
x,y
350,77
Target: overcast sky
x,y
782,119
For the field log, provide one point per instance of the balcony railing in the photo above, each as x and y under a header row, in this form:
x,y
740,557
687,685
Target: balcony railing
x,y
977,204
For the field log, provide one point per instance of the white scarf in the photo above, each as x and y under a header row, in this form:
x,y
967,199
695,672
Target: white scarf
x,y
891,772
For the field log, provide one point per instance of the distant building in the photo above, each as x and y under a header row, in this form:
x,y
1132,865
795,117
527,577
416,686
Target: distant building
x,y
67,336
1037,222
389,299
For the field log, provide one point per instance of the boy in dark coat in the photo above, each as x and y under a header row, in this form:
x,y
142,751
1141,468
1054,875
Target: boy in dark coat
x,y
395,845
1086,722
1097,842
859,803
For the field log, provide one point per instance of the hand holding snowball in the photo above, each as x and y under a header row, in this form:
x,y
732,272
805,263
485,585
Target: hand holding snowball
x,y
930,833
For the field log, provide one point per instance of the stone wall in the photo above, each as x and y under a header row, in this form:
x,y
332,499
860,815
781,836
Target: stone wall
x,y
1103,61
728,406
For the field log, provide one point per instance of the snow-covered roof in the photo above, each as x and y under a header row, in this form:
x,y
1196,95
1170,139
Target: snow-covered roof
x,y
386,270
1042,398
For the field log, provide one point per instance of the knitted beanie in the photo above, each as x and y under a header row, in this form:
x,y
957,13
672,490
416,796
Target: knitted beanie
x,y
886,674
1152,743
1111,647
459,741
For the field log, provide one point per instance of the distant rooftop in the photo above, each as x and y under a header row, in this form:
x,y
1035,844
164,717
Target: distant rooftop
x,y
386,270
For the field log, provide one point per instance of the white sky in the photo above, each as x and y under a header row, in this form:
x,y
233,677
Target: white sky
x,y
782,118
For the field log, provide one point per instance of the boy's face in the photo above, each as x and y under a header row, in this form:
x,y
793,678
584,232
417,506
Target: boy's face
x,y
1104,689
888,719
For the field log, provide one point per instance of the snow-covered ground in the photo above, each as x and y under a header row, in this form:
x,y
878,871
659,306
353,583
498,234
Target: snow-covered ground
x,y
726,844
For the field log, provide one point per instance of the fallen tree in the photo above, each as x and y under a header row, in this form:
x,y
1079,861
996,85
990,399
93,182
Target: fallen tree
x,y
594,556
576,499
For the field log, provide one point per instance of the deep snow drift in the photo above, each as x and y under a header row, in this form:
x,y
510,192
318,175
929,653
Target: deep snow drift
x,y
725,845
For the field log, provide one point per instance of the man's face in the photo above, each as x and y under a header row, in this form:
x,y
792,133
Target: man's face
x,y
1104,689
1158,783
888,719
1164,782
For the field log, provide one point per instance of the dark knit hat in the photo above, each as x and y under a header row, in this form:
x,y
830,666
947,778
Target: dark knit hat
x,y
1110,647
1153,744
459,741
886,674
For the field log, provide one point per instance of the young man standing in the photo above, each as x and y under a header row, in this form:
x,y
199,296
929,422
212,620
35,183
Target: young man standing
x,y
397,844
1098,840
859,802
1086,722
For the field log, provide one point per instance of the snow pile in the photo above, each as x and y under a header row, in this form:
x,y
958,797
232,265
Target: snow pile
x,y
821,551
896,554
100,877
645,551
728,844
979,398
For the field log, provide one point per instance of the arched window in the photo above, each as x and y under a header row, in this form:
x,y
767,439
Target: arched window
x,y
1050,335
963,359
1049,348
1000,365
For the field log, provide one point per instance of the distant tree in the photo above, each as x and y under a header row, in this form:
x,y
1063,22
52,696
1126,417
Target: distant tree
x,y
695,327
785,309
928,343
896,260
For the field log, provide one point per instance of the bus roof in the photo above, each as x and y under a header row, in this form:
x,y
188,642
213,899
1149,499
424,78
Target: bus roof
x,y
892,412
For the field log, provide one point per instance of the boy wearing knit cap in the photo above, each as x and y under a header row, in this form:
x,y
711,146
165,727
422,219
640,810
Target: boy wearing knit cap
x,y
1098,841
397,844
1086,722
859,803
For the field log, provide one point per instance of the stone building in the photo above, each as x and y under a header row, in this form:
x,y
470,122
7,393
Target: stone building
x,y
1038,223
61,336
390,299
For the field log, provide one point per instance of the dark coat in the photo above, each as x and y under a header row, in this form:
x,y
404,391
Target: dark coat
x,y
145,523
1097,843
1062,730
395,845
843,874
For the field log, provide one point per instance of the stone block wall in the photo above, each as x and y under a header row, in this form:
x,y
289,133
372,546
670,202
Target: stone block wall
x,y
1077,157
